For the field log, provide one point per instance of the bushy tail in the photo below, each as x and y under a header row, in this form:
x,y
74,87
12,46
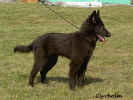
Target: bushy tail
x,y
22,48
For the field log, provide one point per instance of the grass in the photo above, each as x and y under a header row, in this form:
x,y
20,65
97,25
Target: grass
x,y
109,71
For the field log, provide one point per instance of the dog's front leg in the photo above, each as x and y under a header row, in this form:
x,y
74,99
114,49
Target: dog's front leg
x,y
81,72
74,67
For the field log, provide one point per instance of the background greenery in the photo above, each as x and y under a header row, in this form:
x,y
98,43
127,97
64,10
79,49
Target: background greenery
x,y
109,71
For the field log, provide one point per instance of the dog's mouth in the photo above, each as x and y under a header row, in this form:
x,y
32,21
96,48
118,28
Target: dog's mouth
x,y
101,38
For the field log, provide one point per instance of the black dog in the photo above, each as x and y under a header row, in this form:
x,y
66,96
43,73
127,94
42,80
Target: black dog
x,y
77,46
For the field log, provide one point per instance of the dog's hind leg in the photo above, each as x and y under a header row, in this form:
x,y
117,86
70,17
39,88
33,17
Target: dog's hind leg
x,y
51,62
40,61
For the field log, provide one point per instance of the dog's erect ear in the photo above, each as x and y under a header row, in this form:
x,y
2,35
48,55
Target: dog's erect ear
x,y
93,13
92,17
98,12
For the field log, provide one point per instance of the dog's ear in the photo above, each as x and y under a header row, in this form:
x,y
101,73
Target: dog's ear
x,y
93,14
92,17
98,13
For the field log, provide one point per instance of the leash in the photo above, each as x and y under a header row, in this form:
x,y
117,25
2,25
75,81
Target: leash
x,y
52,10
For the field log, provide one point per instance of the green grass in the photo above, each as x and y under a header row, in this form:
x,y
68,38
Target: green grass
x,y
109,71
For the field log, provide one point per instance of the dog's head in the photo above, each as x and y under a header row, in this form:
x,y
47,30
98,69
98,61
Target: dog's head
x,y
98,27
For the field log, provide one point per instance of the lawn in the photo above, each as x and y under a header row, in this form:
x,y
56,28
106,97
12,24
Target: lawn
x,y
110,71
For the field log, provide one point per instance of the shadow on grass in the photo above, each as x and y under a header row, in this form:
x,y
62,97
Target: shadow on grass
x,y
88,80
57,79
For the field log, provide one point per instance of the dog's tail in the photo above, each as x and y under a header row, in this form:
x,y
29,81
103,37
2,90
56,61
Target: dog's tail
x,y
22,48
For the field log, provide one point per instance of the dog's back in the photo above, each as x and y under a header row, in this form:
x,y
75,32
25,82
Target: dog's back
x,y
56,44
51,43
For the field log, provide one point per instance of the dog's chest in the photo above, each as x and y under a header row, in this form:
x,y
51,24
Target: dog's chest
x,y
87,47
91,47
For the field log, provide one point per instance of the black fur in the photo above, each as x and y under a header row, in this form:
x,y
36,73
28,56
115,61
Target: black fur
x,y
77,46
